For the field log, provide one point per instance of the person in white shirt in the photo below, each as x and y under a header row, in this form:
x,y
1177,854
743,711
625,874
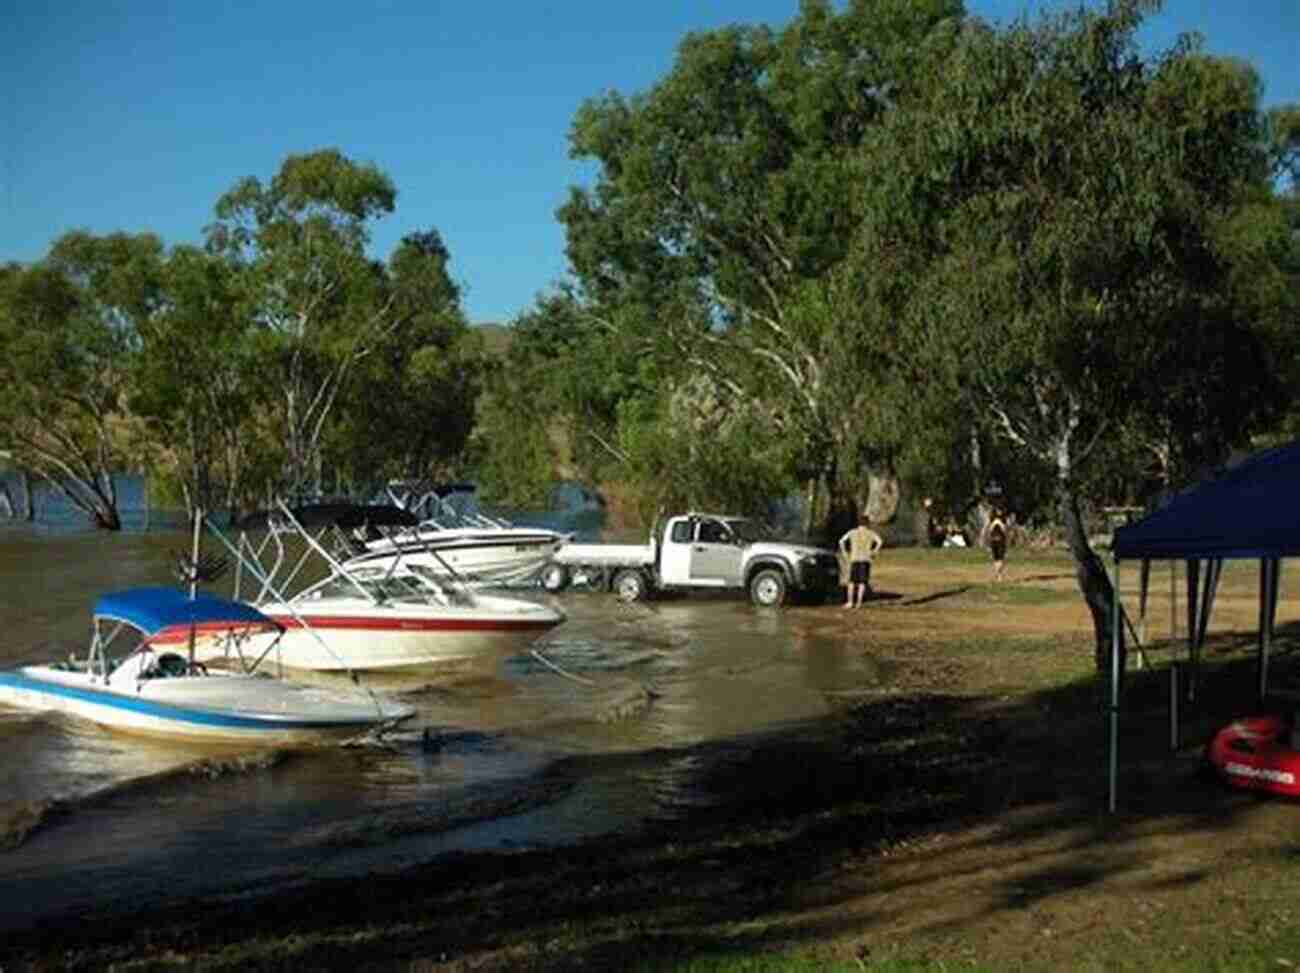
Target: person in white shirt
x,y
859,545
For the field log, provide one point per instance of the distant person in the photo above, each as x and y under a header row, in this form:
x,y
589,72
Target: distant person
x,y
927,529
923,523
995,535
859,545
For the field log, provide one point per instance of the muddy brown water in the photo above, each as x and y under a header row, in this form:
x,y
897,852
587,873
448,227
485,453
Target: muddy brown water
x,y
615,720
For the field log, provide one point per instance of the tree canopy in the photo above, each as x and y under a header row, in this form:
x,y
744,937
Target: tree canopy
x,y
69,329
883,238
219,369
895,238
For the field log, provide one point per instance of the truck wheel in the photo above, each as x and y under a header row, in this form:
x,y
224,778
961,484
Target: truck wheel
x,y
555,577
629,585
767,588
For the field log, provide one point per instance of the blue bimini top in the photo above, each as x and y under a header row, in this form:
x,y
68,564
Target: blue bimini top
x,y
153,609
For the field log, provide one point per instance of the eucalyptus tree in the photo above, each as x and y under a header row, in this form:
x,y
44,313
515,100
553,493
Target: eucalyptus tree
x,y
1083,278
726,198
69,326
1283,141
1284,158
196,386
317,302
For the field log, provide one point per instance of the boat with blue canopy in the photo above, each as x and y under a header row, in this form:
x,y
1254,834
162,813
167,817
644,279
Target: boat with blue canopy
x,y
141,675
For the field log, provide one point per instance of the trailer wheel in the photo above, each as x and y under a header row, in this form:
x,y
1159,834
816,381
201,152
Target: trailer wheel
x,y
629,585
767,588
555,577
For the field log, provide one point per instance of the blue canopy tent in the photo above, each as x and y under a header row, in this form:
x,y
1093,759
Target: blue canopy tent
x,y
1251,510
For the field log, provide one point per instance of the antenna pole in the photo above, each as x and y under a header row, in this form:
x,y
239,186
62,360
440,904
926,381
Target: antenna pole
x,y
194,553
194,573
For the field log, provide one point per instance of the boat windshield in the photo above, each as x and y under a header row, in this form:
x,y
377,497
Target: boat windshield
x,y
411,585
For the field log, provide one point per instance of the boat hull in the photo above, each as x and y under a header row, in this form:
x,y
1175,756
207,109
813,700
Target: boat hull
x,y
1255,753
361,636
507,557
221,707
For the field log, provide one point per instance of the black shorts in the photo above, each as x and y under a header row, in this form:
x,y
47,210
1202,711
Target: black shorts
x,y
999,549
860,572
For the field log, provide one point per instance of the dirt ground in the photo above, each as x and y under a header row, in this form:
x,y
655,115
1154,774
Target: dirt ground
x,y
954,815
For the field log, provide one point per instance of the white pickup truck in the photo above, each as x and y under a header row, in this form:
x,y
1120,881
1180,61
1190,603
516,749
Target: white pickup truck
x,y
698,551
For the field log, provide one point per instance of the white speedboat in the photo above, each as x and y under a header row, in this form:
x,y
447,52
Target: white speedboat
x,y
159,688
461,541
369,616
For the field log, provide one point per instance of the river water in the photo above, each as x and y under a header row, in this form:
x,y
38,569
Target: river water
x,y
622,715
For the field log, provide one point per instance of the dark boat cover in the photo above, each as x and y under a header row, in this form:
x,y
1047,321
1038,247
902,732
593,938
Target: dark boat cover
x,y
344,515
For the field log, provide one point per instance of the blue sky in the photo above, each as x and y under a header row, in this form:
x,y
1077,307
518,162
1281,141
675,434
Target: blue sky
x,y
138,115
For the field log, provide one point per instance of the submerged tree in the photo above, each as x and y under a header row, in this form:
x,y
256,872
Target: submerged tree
x,y
69,327
303,280
196,385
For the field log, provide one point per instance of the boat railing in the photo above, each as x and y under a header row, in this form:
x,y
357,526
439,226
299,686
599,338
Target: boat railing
x,y
246,560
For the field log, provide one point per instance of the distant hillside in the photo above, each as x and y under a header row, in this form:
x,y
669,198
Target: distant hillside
x,y
495,336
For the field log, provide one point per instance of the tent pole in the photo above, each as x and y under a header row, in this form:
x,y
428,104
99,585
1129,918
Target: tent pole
x,y
1261,665
1193,613
1115,636
1213,572
1174,735
1143,588
1269,569
1173,601
1277,587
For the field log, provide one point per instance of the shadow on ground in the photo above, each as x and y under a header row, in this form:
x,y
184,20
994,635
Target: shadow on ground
x,y
793,849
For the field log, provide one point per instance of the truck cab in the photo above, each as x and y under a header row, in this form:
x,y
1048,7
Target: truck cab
x,y
702,550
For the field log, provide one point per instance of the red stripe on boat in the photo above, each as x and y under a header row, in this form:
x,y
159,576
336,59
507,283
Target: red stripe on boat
x,y
175,634
414,624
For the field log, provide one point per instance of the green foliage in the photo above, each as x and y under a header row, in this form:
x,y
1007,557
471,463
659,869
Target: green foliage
x,y
568,371
513,457
728,199
686,453
1077,250
69,326
408,404
197,384
303,280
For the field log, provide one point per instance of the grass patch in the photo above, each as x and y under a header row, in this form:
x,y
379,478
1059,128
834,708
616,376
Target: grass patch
x,y
792,963
1025,594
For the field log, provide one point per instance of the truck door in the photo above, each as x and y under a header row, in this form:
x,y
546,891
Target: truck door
x,y
715,555
675,551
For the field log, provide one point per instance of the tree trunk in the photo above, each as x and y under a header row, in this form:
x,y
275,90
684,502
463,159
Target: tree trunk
x,y
1094,582
29,498
107,520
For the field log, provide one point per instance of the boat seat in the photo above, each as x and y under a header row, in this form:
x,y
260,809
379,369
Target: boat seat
x,y
169,664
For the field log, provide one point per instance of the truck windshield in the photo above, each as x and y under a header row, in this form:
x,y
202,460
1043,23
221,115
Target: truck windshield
x,y
749,531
